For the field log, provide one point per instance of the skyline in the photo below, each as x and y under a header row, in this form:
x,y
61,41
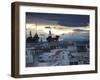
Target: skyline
x,y
42,23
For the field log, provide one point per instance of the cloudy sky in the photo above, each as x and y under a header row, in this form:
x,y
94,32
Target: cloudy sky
x,y
64,25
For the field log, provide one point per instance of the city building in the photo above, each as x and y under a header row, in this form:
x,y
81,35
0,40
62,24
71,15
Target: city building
x,y
54,52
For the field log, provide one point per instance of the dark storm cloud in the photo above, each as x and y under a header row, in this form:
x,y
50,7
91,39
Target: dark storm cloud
x,y
72,20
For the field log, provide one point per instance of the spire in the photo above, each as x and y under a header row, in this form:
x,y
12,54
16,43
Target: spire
x,y
30,34
36,35
50,32
36,27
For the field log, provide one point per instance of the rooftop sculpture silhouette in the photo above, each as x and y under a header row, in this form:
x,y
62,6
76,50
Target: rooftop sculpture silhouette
x,y
31,39
36,38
